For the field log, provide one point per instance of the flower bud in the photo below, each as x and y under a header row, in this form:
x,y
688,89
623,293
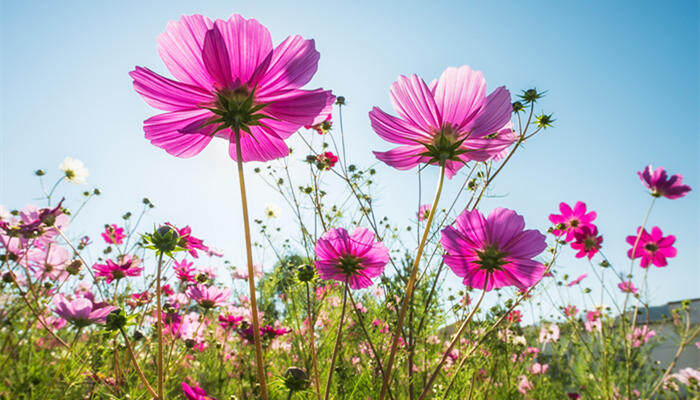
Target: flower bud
x,y
305,273
74,267
295,379
39,172
340,100
116,320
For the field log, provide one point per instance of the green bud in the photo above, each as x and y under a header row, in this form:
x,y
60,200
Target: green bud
x,y
340,100
165,239
295,379
116,320
305,273
39,172
74,267
518,106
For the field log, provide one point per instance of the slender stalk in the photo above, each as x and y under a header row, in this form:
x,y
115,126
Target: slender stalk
x,y
410,284
63,362
312,341
628,346
159,327
454,341
251,271
136,365
337,341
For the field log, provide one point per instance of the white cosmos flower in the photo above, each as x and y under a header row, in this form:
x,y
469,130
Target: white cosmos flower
x,y
75,170
272,211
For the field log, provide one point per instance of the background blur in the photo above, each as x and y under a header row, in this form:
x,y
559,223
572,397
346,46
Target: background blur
x,y
622,82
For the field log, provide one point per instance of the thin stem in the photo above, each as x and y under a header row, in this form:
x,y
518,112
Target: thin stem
x,y
410,284
136,364
337,341
312,341
251,271
159,322
63,362
454,341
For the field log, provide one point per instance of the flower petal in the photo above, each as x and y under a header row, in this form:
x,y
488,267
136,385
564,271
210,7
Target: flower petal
x,y
180,47
164,131
396,130
414,102
167,94
294,62
460,94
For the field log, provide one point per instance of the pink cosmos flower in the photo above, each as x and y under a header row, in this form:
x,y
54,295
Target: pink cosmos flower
x,y
184,271
126,265
355,258
570,311
574,395
322,127
452,118
424,212
228,322
653,248
549,333
588,242
326,160
81,312
229,77
189,242
195,393
577,280
593,321
514,316
113,234
640,336
571,221
138,299
688,376
493,252
658,182
48,262
627,287
524,385
208,296
537,368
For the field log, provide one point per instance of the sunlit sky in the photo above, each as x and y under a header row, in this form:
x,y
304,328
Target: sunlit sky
x,y
621,80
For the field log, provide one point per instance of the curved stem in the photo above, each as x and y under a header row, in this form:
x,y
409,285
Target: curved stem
x,y
337,340
63,362
410,284
312,341
251,271
159,322
466,322
130,350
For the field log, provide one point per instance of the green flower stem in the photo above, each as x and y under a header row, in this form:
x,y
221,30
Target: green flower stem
x,y
251,271
337,341
409,286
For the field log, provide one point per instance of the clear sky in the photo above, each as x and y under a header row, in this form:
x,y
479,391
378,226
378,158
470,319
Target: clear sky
x,y
622,81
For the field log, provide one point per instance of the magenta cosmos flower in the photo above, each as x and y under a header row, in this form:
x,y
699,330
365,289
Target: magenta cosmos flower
x,y
229,77
188,242
658,182
653,248
195,392
208,296
81,312
125,265
451,119
587,242
113,234
353,258
493,252
571,220
424,211
627,287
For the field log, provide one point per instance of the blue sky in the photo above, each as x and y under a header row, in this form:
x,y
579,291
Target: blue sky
x,y
622,81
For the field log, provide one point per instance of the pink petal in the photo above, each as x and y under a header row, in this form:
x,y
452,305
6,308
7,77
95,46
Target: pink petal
x,y
300,107
396,130
262,145
496,114
414,102
180,47
216,58
163,130
402,157
294,63
248,43
460,94
167,94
